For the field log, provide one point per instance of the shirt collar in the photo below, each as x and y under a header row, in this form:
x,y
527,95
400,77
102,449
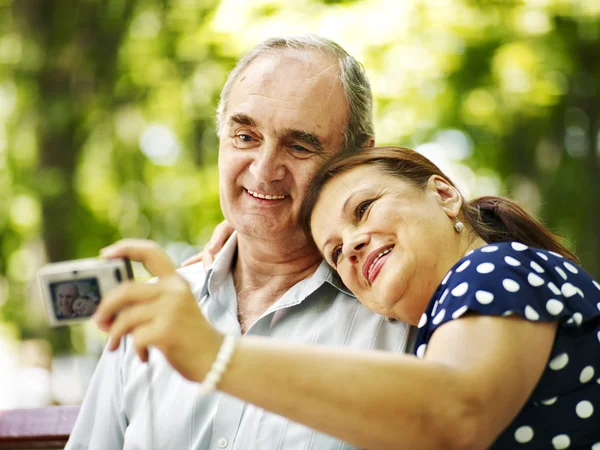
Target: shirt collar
x,y
224,260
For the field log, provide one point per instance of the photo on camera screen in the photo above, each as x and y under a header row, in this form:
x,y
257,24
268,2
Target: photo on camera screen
x,y
75,299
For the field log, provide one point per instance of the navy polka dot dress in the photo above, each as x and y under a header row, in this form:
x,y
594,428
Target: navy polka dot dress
x,y
504,279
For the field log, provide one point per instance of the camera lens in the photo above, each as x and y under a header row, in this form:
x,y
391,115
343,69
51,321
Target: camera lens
x,y
118,275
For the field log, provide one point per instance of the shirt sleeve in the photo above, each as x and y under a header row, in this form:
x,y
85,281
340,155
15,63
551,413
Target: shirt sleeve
x,y
512,279
101,421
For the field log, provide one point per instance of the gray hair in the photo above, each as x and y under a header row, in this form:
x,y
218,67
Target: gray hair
x,y
357,89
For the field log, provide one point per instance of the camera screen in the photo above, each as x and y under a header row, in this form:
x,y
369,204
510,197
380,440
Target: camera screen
x,y
74,299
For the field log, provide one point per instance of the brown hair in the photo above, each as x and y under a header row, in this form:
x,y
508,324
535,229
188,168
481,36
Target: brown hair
x,y
494,219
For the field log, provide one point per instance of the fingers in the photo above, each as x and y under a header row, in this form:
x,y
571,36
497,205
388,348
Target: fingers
x,y
198,257
220,235
222,232
130,319
147,252
121,297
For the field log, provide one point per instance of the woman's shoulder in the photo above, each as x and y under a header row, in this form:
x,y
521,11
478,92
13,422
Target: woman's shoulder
x,y
520,262
514,279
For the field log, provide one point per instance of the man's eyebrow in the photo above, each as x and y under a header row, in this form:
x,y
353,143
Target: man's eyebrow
x,y
305,137
241,119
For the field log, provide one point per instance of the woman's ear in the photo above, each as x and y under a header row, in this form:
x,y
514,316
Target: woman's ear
x,y
447,196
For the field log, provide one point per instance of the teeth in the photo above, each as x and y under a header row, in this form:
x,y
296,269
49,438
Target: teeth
x,y
265,196
384,252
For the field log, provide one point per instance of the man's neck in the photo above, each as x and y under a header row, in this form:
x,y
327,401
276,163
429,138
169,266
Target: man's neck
x,y
261,263
264,270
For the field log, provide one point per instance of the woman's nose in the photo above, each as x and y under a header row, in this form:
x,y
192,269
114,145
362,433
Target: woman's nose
x,y
355,247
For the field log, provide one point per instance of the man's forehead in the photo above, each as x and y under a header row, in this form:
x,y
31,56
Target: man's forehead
x,y
300,94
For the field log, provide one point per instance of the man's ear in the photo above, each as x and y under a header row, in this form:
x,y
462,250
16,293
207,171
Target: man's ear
x,y
370,143
447,196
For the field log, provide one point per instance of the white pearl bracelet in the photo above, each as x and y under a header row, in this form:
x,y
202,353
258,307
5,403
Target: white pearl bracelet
x,y
214,375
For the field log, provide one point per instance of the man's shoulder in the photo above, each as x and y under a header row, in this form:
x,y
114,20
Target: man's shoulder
x,y
194,274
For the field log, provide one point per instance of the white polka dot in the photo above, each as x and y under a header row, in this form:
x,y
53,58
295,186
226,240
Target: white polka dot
x,y
463,266
554,289
568,290
535,280
485,268
549,401
444,295
559,362
580,292
484,297
531,313
535,266
584,409
507,313
518,246
570,321
586,374
596,284
440,316
596,446
598,336
469,252
446,277
421,350
543,256
554,253
511,261
459,312
598,306
489,249
434,309
524,434
570,267
423,320
460,289
554,306
578,318
561,442
510,285
561,273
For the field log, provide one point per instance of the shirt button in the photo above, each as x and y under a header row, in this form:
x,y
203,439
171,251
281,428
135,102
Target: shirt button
x,y
222,443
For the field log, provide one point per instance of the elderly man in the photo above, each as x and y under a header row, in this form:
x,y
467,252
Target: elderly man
x,y
288,106
66,293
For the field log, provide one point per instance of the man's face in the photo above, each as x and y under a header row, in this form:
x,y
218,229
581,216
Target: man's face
x,y
285,117
66,293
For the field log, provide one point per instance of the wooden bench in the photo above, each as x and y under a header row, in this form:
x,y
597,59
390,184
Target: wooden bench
x,y
36,428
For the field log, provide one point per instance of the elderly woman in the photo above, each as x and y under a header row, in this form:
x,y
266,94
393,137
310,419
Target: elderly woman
x,y
507,351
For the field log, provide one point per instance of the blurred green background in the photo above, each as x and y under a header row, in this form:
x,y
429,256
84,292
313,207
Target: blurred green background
x,y
107,119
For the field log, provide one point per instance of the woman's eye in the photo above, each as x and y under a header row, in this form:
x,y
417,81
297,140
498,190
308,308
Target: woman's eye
x,y
335,254
361,209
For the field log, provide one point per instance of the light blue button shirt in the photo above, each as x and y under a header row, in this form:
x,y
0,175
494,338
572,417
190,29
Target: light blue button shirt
x,y
116,412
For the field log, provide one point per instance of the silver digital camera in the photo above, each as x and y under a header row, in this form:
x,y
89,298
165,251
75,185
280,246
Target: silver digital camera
x,y
72,290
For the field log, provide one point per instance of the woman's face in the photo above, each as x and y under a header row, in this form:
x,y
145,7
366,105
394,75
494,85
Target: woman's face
x,y
391,242
84,307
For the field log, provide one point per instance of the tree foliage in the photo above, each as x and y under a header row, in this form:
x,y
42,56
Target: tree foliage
x,y
107,114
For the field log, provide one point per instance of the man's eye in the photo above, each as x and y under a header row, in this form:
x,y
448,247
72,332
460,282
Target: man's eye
x,y
362,208
300,149
244,137
335,254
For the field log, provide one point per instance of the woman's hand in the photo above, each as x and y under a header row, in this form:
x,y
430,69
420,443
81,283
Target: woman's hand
x,y
221,233
163,314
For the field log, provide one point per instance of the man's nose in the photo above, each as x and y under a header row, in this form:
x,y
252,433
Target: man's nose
x,y
355,246
268,165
